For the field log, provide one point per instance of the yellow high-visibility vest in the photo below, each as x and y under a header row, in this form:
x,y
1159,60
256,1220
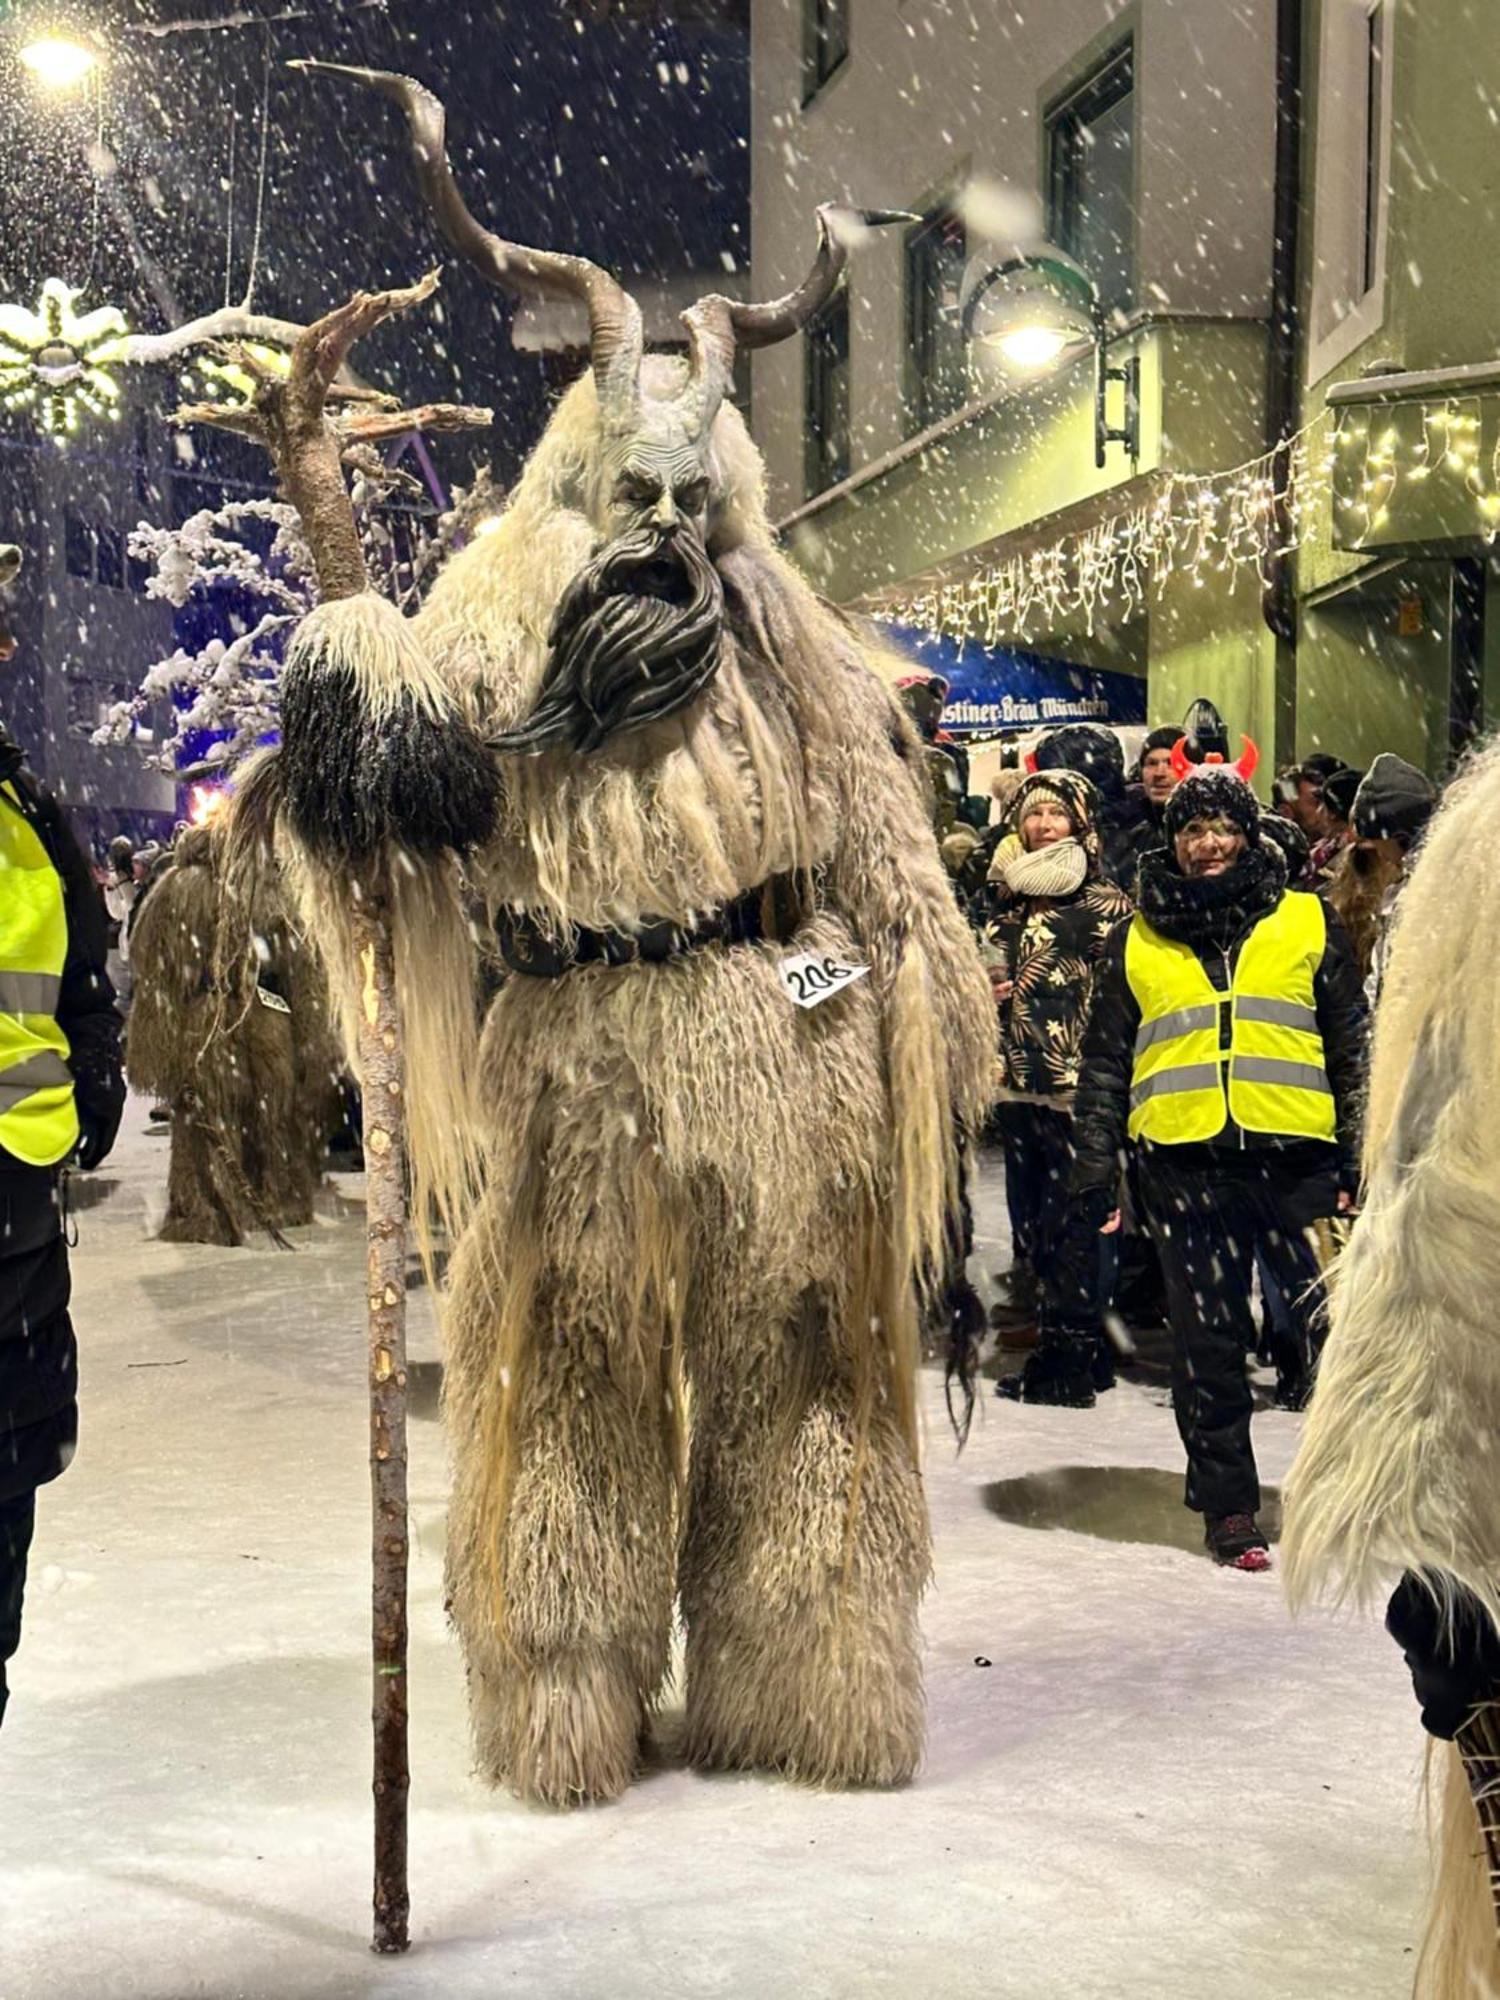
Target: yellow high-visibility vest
x,y
38,1117
1272,1077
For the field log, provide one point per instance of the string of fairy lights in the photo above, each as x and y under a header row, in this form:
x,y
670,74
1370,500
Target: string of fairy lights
x,y
1200,526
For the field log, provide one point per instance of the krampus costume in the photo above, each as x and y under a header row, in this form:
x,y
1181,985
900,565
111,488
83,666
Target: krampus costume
x,y
230,1026
674,769
1396,1474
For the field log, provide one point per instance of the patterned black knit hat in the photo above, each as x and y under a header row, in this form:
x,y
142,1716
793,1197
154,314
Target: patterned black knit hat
x,y
1214,791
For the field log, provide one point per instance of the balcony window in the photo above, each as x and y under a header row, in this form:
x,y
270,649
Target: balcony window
x,y
1091,177
827,396
825,43
936,363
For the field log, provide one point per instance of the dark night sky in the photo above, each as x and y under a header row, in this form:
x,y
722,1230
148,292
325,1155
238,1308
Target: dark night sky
x,y
570,126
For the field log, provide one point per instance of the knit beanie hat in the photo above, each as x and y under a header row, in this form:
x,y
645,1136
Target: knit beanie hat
x,y
1394,801
1213,791
1338,791
1088,748
1071,791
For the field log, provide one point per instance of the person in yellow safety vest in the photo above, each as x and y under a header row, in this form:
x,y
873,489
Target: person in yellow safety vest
x,y
61,1094
1226,1046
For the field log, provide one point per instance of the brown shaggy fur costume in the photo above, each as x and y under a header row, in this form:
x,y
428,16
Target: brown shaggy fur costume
x,y
250,1087
1396,1469
682,1331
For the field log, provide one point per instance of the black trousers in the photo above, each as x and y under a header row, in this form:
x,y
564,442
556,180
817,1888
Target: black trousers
x,y
1210,1216
17,1519
1063,1245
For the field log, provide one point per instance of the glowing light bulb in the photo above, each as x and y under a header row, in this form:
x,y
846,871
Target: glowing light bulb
x,y
57,62
1033,346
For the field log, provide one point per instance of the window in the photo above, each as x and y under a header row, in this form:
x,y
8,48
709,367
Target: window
x,y
1352,167
1091,177
826,398
1374,54
110,552
78,545
937,381
825,42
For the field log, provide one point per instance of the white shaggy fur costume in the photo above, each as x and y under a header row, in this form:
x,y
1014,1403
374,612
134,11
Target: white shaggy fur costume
x,y
1399,1466
681,1336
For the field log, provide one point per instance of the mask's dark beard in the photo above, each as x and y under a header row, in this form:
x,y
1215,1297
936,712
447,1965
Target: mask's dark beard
x,y
635,638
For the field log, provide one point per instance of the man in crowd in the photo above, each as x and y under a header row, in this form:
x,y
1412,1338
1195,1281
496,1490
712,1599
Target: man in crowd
x,y
1390,813
1225,1044
1339,788
61,1095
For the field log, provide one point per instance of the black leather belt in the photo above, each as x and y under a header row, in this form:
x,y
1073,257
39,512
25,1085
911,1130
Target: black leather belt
x,y
531,946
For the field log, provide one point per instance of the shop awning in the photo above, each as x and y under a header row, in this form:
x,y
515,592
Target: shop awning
x,y
993,688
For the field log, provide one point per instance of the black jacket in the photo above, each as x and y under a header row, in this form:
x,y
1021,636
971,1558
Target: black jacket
x,y
1101,1109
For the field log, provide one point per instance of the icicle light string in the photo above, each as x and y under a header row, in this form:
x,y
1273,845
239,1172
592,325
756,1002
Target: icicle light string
x,y
1195,525
1199,525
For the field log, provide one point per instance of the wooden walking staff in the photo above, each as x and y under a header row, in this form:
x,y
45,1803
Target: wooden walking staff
x,y
289,414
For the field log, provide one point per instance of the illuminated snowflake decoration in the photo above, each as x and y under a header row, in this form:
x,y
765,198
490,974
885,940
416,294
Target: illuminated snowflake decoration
x,y
56,361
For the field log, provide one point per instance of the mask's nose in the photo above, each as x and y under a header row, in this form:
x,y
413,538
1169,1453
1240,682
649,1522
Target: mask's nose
x,y
665,517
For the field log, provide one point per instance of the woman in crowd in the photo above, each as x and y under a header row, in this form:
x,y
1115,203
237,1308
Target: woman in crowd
x,y
1226,1043
1050,914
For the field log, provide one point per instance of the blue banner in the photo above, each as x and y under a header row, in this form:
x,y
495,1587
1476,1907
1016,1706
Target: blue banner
x,y
991,688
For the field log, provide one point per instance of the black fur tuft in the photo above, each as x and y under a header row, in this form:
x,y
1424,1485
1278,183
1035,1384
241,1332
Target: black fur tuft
x,y
350,785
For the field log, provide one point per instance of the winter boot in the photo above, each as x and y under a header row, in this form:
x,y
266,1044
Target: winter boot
x,y
1060,1372
1017,1289
1236,1542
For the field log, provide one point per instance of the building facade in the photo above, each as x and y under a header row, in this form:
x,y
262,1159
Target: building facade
x,y
1140,136
1399,640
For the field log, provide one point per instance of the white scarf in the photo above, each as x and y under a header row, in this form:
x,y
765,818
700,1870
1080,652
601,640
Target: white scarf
x,y
1056,870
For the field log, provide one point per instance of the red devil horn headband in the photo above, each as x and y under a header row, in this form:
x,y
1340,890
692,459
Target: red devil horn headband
x,y
1243,767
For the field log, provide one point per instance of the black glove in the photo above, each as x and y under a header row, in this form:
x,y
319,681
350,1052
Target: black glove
x,y
96,1138
1454,1657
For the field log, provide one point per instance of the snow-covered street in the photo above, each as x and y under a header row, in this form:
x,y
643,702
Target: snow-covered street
x,y
1142,1778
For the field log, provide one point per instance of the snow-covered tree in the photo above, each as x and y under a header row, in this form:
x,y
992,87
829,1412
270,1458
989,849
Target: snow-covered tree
x,y
251,557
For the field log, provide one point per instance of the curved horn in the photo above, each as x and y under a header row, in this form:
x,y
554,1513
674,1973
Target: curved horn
x,y
1181,763
1248,758
615,338
718,327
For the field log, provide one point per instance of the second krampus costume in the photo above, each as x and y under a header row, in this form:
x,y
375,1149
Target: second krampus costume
x,y
1395,1480
230,1027
691,776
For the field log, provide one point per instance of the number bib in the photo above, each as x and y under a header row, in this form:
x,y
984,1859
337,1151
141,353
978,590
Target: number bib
x,y
272,1000
809,977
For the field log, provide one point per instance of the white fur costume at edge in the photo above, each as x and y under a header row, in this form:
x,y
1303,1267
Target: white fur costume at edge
x,y
1398,1466
682,1332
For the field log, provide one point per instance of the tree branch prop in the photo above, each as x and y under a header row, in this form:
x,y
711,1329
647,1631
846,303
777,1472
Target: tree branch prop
x,y
289,415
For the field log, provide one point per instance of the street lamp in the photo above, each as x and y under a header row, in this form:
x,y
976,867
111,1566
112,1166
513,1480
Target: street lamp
x,y
1032,307
57,61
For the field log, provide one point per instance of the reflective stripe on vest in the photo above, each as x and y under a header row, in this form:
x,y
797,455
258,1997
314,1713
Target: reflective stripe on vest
x,y
38,1117
1277,1078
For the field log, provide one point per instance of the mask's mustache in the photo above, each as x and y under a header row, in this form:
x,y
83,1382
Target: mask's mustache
x,y
635,638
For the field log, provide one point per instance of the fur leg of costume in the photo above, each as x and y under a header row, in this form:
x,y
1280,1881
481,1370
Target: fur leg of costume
x,y
803,1648
1396,1469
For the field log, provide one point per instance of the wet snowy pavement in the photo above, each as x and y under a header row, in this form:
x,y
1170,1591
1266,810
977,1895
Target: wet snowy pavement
x,y
1158,1786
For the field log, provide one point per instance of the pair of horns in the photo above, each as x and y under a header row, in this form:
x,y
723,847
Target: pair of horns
x,y
717,327
1243,766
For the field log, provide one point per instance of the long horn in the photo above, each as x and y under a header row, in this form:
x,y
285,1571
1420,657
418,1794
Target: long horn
x,y
718,327
615,337
1248,758
1181,763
